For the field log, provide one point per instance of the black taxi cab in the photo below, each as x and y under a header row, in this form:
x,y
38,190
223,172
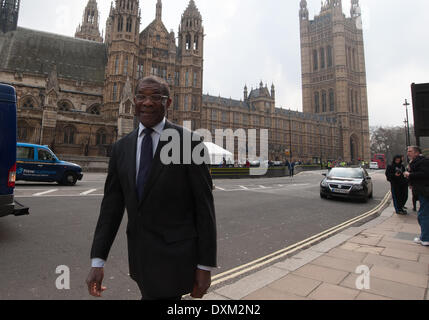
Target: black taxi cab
x,y
39,164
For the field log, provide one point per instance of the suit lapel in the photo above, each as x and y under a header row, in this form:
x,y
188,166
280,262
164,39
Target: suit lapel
x,y
157,166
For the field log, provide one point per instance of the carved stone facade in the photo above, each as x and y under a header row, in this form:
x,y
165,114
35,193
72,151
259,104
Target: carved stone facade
x,y
77,95
334,73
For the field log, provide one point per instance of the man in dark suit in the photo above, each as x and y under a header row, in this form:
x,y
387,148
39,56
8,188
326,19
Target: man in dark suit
x,y
171,217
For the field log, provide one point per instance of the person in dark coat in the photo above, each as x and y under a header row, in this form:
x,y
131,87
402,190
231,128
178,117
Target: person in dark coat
x,y
398,183
419,181
171,228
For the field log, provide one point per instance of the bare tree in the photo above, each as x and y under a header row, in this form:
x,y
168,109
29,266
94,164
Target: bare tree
x,y
390,141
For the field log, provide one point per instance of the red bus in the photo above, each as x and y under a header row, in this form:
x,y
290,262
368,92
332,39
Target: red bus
x,y
380,159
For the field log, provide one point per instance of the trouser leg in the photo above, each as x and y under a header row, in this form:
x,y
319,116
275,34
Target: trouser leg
x,y
423,218
395,199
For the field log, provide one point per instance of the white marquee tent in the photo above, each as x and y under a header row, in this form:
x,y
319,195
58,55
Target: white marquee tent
x,y
217,154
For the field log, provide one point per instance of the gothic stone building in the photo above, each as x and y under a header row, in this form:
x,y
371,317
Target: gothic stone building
x,y
76,94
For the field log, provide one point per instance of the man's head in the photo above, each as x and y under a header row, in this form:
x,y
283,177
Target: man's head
x,y
413,152
152,99
397,159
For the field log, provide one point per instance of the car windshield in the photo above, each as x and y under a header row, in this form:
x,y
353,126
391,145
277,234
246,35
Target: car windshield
x,y
349,173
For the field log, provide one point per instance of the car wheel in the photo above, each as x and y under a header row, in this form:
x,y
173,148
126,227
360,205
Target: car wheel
x,y
69,179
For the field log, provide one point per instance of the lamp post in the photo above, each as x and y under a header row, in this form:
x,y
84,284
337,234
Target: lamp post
x,y
406,104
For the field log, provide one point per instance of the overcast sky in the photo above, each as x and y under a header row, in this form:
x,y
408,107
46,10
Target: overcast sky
x,y
251,40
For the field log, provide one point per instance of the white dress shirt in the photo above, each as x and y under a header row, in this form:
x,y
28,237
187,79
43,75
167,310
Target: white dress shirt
x,y
156,135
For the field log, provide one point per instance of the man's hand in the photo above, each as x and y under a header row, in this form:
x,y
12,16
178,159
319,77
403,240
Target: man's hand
x,y
94,281
406,174
203,280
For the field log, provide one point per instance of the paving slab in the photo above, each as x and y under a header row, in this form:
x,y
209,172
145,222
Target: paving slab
x,y
424,258
327,291
401,254
299,260
330,243
267,293
347,254
367,239
369,296
410,247
395,263
405,277
321,273
362,248
337,263
214,296
387,288
251,283
295,284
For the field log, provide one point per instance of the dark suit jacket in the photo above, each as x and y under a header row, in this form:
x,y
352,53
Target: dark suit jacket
x,y
170,231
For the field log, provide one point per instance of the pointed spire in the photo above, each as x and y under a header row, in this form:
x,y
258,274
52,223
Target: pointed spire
x,y
192,10
159,10
303,12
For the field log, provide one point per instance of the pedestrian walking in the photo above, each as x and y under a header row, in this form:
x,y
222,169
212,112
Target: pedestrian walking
x,y
171,227
398,183
419,181
292,169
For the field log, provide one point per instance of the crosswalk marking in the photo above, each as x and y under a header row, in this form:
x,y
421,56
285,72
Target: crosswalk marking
x,y
88,192
45,192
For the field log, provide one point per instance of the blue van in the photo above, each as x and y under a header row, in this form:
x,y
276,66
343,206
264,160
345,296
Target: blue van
x,y
8,124
39,164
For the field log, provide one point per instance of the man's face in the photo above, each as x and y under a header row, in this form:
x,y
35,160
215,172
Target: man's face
x,y
412,154
150,112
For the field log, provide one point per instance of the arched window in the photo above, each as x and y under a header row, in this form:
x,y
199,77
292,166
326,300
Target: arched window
x,y
354,59
315,60
126,66
331,100
115,92
101,137
129,24
28,102
329,53
188,41
356,102
65,105
322,58
117,65
324,101
69,135
120,24
195,43
24,131
316,102
94,109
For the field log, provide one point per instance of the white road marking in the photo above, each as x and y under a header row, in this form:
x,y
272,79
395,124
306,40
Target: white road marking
x,y
88,192
45,192
244,188
219,188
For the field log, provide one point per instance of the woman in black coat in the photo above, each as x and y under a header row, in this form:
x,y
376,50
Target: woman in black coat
x,y
399,185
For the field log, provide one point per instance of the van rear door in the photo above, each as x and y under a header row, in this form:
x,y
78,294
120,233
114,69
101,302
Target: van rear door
x,y
8,131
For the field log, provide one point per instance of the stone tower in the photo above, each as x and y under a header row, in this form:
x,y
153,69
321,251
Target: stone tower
x,y
190,55
334,74
89,29
9,11
122,40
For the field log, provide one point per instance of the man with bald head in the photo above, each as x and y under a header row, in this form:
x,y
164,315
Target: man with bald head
x,y
171,216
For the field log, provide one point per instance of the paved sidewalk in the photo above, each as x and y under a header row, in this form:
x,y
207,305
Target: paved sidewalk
x,y
399,268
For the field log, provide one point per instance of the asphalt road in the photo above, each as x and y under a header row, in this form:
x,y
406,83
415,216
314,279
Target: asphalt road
x,y
255,217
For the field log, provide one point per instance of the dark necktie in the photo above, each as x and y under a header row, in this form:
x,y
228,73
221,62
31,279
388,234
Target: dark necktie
x,y
146,158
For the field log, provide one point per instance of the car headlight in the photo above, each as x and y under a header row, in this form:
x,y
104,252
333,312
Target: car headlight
x,y
324,184
358,187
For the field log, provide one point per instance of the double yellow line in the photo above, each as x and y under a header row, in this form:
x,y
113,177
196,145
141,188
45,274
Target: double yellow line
x,y
256,264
